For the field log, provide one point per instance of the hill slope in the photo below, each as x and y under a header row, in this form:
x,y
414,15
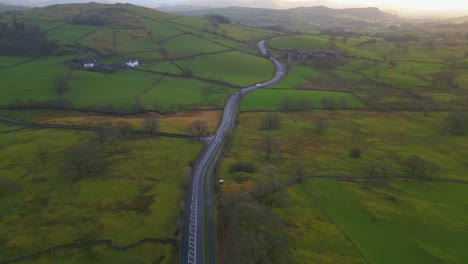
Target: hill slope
x,y
173,51
302,17
6,7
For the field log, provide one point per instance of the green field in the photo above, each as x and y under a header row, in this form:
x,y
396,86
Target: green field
x,y
119,89
382,138
232,67
69,34
176,94
38,85
271,99
6,61
101,40
424,222
187,45
299,43
136,197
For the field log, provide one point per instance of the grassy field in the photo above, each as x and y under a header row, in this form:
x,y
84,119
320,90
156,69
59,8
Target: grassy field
x,y
170,122
131,40
271,99
119,89
297,75
423,222
232,67
6,61
299,43
187,45
159,30
41,208
177,94
39,84
69,34
382,138
101,40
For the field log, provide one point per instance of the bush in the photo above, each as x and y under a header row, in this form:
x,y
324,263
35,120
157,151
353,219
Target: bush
x,y
355,153
242,166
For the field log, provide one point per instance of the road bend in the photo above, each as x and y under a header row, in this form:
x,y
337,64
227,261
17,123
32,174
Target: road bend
x,y
193,249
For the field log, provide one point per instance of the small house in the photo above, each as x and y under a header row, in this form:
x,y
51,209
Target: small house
x,y
88,65
133,63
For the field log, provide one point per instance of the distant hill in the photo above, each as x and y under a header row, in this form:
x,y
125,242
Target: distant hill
x,y
5,7
302,17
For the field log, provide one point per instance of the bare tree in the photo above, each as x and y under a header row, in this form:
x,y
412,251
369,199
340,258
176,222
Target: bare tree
x,y
61,85
105,132
305,103
43,153
320,123
298,169
270,120
286,103
125,129
81,160
377,168
328,103
151,125
198,129
255,234
457,122
269,191
416,166
268,146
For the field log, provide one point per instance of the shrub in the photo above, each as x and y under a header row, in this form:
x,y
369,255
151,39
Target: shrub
x,y
355,153
242,166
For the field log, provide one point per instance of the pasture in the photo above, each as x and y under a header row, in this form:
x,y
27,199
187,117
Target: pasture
x,y
137,195
380,217
383,138
38,86
233,67
274,99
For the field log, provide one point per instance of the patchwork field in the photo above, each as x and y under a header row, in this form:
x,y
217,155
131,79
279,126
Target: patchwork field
x,y
233,67
271,99
423,221
386,139
136,196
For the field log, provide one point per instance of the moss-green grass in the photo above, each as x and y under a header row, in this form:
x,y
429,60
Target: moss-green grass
x,y
161,66
32,80
381,138
297,75
158,30
299,43
41,208
6,61
120,88
101,40
187,45
270,99
134,40
175,94
232,67
69,34
424,222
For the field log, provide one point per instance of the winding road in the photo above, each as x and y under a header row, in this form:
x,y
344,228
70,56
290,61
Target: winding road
x,y
193,238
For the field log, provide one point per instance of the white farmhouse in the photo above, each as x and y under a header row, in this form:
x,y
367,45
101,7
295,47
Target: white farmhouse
x,y
132,63
89,65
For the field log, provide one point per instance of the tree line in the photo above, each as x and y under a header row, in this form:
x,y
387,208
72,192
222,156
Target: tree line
x,y
24,40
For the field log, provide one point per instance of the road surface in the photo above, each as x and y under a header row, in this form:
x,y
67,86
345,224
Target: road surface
x,y
193,237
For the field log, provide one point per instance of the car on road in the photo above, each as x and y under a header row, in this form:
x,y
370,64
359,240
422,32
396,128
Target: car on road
x,y
258,85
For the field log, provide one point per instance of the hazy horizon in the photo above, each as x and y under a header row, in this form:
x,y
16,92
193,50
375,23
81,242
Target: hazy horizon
x,y
401,7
